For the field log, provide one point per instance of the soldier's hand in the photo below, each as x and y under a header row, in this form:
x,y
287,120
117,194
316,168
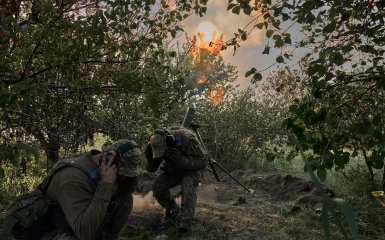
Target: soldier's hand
x,y
108,169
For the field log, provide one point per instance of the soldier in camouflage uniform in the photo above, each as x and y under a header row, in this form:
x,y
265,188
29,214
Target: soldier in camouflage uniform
x,y
183,159
95,206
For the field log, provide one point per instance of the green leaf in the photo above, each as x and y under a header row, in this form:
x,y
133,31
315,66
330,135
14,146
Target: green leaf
x,y
285,16
260,25
172,54
330,27
337,58
247,10
269,33
244,36
266,50
279,42
236,10
251,71
231,5
279,59
287,39
341,159
257,77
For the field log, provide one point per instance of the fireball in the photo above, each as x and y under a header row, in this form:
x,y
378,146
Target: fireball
x,y
201,80
217,96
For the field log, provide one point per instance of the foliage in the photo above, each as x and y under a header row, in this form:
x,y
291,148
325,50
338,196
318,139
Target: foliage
x,y
22,179
71,68
344,63
282,88
233,123
234,130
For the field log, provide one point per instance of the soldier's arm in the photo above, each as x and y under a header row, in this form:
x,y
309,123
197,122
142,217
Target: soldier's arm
x,y
84,209
192,158
152,163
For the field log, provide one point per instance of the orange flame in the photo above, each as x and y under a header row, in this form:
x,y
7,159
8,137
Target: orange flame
x,y
198,43
217,96
201,80
214,46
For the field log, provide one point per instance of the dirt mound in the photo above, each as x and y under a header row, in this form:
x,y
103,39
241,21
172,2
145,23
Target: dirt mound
x,y
226,208
275,188
281,188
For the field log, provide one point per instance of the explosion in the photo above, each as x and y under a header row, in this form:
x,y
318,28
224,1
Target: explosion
x,y
217,96
214,46
201,80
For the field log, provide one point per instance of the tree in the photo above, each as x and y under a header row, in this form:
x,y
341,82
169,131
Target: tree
x,y
343,114
233,122
66,64
235,129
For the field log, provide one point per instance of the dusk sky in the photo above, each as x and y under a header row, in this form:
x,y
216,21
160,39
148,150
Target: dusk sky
x,y
225,22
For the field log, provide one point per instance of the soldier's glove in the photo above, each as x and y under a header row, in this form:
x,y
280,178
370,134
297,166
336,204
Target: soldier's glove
x,y
172,154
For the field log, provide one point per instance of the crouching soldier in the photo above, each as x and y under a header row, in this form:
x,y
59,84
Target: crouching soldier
x,y
183,161
89,197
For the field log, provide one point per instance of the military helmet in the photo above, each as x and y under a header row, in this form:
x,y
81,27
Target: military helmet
x,y
128,154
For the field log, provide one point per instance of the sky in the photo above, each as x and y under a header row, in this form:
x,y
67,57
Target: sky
x,y
249,55
224,22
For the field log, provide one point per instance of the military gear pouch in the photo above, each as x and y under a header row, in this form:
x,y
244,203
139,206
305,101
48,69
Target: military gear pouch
x,y
27,217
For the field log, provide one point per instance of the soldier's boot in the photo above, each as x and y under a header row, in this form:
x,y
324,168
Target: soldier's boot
x,y
184,228
171,215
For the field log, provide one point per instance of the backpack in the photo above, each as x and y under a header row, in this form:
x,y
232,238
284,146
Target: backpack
x,y
27,218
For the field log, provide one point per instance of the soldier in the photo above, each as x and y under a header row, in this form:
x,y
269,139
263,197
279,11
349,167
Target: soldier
x,y
94,197
184,160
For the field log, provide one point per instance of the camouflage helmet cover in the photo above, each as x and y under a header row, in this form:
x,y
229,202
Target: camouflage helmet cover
x,y
129,154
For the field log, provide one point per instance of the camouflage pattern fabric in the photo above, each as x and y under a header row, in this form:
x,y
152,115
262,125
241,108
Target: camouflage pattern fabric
x,y
183,165
188,180
187,154
129,154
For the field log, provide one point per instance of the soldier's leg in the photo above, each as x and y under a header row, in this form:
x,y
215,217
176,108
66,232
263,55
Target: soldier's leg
x,y
117,215
189,182
60,235
161,190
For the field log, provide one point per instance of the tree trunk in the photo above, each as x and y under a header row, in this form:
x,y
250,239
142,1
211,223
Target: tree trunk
x,y
370,169
52,157
383,180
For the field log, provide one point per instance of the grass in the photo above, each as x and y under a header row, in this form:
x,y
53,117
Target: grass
x,y
352,185
266,220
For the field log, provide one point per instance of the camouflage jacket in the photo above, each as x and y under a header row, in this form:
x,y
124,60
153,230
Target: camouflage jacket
x,y
186,154
84,201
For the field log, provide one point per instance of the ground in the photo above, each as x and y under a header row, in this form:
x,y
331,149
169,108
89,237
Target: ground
x,y
280,207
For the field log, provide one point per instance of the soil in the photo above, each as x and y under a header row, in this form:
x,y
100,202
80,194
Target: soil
x,y
274,210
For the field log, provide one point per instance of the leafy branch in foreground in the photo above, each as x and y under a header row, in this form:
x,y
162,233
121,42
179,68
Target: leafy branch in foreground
x,y
343,63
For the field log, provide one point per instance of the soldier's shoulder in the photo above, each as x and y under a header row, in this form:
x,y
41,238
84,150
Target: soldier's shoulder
x,y
184,132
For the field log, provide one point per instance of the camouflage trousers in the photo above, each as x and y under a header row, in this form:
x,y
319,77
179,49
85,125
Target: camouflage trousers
x,y
117,215
188,181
